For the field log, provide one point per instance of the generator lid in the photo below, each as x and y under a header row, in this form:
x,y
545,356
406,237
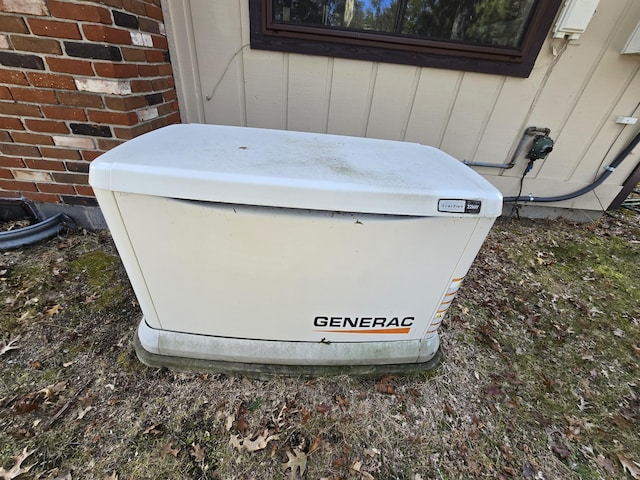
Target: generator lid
x,y
278,168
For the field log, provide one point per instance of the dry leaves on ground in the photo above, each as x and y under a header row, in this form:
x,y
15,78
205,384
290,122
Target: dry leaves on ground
x,y
17,469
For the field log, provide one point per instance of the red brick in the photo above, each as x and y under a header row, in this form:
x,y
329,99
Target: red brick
x,y
11,76
5,93
72,178
75,99
64,113
125,104
160,84
108,144
51,80
153,11
90,154
134,6
85,190
170,95
167,108
35,44
53,28
133,54
73,11
32,138
5,173
116,70
99,33
160,42
19,150
38,164
165,69
42,197
11,194
46,126
12,162
12,24
19,109
154,56
113,118
5,137
148,25
56,188
34,95
112,3
129,133
174,118
10,123
63,153
66,65
17,186
138,86
148,70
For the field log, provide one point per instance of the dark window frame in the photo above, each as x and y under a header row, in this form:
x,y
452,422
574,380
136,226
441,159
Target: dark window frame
x,y
268,35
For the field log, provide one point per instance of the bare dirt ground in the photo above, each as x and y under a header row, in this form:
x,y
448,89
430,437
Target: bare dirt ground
x,y
540,377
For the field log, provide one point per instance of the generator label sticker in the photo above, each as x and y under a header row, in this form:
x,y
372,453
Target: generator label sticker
x,y
459,206
360,325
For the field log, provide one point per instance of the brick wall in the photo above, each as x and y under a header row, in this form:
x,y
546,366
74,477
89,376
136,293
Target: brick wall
x,y
76,79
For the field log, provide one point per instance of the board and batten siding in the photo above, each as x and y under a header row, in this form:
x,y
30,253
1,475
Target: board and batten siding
x,y
577,89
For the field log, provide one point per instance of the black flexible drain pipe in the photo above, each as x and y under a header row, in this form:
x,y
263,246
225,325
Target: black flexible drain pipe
x,y
35,233
608,171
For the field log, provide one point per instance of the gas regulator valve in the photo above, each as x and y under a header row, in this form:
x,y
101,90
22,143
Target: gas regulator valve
x,y
541,147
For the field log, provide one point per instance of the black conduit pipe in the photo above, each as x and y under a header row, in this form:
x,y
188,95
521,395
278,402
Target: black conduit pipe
x,y
567,196
35,233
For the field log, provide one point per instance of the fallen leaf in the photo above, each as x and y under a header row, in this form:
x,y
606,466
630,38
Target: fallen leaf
x,y
606,464
27,404
153,430
386,385
315,445
111,476
259,443
169,450
372,452
37,364
618,332
55,310
83,412
52,391
629,466
343,403
197,452
322,408
9,346
357,467
297,462
17,469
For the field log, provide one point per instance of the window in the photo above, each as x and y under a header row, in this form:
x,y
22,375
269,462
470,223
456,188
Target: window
x,y
490,36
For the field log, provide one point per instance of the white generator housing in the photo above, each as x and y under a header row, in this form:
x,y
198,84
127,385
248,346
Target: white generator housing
x,y
275,247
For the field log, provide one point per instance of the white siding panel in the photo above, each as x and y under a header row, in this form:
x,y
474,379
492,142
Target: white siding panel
x,y
219,53
352,83
392,101
435,95
265,87
473,105
308,93
508,121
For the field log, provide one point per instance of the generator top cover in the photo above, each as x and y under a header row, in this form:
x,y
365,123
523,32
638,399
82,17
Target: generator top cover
x,y
295,170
